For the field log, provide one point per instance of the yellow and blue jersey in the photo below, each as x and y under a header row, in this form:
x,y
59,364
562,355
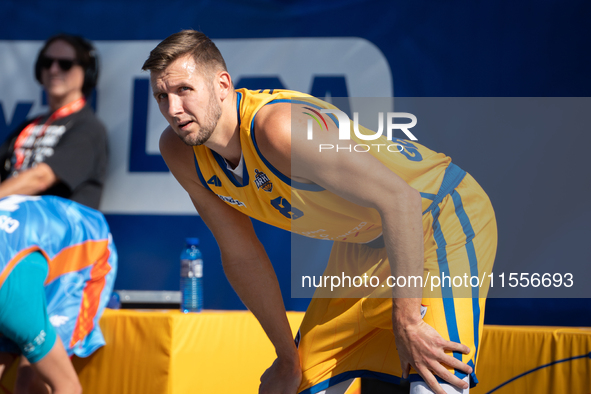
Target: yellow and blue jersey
x,y
267,195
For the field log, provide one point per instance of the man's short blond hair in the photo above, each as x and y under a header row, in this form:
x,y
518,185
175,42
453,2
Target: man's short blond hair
x,y
186,42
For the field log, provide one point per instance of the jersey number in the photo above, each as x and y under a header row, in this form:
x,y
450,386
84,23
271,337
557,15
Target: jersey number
x,y
284,207
407,149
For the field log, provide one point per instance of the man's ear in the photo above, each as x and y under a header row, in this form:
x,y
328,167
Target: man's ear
x,y
224,81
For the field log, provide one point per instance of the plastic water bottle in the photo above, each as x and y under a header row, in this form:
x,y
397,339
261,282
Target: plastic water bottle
x,y
191,277
114,301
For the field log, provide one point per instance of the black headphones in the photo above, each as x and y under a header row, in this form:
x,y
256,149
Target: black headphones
x,y
85,54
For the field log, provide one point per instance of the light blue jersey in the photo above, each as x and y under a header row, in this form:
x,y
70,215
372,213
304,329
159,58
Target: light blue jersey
x,y
75,245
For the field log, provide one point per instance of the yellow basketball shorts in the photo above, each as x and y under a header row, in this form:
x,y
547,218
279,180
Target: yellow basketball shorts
x,y
342,338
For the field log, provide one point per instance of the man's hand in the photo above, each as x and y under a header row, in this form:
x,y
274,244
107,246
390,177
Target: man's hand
x,y
422,348
283,377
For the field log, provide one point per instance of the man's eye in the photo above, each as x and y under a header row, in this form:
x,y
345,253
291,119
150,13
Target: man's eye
x,y
161,96
185,88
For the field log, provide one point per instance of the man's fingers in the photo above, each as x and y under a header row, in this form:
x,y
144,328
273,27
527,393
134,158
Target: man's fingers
x,y
456,347
444,374
456,364
430,379
405,367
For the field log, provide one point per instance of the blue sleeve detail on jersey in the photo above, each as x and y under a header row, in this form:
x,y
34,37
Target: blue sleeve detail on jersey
x,y
296,185
238,102
23,308
200,175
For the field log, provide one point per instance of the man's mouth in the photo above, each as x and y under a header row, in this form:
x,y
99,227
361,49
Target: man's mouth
x,y
184,124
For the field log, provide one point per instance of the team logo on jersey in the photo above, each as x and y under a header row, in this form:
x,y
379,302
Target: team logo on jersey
x,y
214,180
57,320
262,181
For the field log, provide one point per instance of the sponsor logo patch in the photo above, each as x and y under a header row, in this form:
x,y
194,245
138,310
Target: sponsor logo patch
x,y
38,341
232,201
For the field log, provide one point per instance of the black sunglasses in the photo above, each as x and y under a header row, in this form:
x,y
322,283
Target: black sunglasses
x,y
65,64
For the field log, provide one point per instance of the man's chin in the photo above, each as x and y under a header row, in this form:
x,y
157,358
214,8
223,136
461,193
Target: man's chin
x,y
192,140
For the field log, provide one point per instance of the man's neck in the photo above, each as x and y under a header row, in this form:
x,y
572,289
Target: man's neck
x,y
225,140
56,103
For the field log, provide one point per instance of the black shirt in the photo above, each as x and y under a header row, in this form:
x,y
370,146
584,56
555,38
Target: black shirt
x,y
75,147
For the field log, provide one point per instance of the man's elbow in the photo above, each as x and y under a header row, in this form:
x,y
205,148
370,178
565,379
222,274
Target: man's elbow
x,y
411,198
71,386
414,197
404,196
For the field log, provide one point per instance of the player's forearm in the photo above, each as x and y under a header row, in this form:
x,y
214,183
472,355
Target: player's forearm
x,y
255,282
57,371
403,236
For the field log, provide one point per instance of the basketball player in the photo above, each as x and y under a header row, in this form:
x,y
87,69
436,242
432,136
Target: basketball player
x,y
410,213
57,270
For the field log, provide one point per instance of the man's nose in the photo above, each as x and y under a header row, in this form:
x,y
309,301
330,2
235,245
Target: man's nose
x,y
175,105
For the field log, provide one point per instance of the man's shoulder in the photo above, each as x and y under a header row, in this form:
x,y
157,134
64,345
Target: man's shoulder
x,y
273,121
254,101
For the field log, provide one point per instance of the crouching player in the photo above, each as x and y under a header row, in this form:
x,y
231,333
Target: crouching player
x,y
57,269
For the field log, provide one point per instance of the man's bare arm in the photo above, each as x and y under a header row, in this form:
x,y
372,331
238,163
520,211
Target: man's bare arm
x,y
57,370
362,179
244,259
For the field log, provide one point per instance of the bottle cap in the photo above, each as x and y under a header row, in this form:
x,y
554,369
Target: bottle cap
x,y
192,241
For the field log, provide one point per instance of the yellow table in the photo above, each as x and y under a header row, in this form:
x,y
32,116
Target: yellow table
x,y
167,352
171,352
530,359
